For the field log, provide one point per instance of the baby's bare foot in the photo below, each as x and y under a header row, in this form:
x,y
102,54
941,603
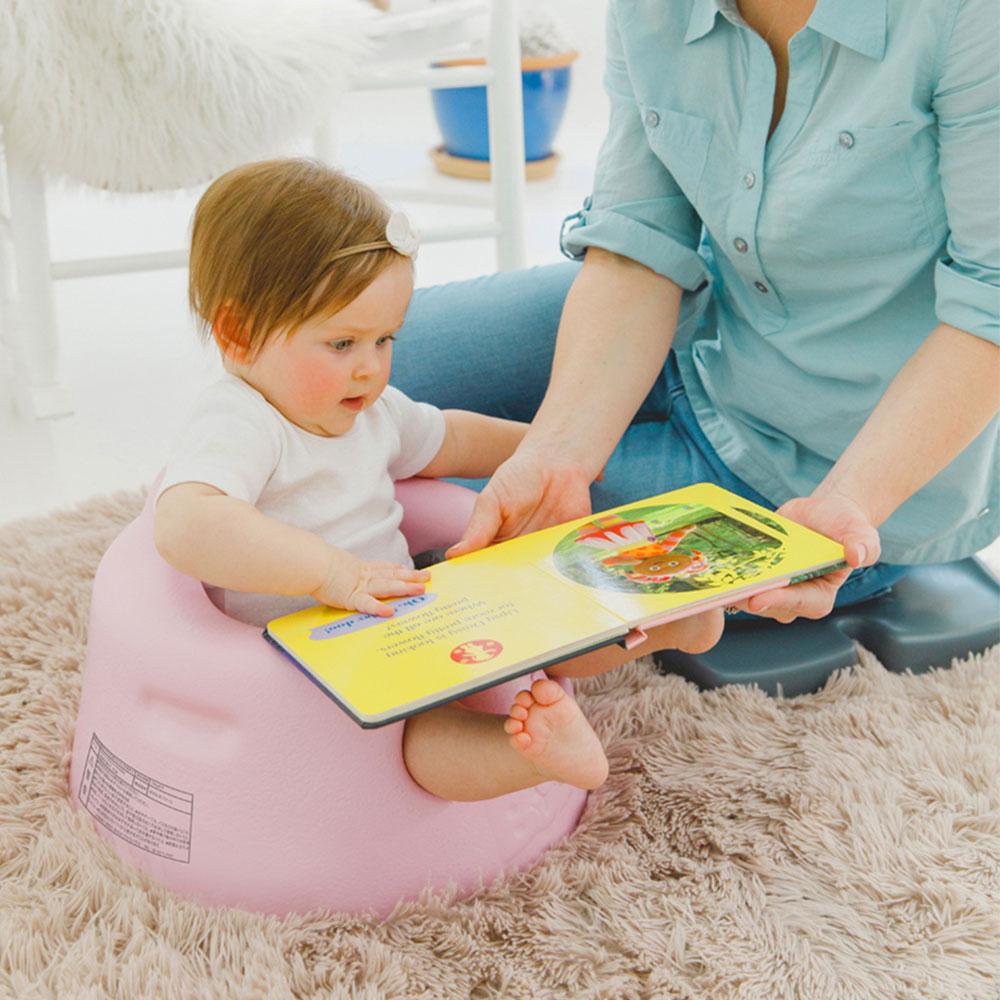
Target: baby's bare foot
x,y
546,725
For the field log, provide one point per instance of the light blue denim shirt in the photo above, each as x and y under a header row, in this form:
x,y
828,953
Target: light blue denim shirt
x,y
818,260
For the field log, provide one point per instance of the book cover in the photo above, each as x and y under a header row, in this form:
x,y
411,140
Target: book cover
x,y
532,601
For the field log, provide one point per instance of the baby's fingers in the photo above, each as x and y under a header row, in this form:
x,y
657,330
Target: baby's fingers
x,y
369,605
385,587
368,602
393,571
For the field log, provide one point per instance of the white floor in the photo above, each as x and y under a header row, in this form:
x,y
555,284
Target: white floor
x,y
129,353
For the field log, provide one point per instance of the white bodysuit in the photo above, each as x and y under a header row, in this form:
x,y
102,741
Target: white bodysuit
x,y
341,488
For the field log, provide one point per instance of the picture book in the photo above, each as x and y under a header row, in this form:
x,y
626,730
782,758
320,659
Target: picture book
x,y
546,596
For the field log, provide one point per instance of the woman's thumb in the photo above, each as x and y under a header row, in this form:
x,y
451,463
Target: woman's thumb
x,y
482,527
863,548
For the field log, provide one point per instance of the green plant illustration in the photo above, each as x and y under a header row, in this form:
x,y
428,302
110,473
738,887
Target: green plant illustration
x,y
671,548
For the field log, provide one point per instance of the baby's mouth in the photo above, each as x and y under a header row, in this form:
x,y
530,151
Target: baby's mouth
x,y
353,402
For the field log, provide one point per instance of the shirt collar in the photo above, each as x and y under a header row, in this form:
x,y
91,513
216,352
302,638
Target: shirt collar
x,y
702,19
858,24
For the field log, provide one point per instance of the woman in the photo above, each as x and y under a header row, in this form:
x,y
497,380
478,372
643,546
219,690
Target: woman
x,y
834,325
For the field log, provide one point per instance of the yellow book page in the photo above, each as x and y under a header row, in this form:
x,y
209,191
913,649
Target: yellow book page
x,y
667,552
474,622
536,599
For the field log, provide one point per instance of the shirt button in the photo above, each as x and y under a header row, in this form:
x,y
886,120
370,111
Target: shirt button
x,y
846,140
652,119
749,179
741,244
761,287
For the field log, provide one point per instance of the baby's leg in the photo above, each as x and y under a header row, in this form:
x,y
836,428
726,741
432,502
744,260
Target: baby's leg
x,y
695,634
465,756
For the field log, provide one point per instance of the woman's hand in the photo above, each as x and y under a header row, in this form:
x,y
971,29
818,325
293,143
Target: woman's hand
x,y
528,492
355,584
840,518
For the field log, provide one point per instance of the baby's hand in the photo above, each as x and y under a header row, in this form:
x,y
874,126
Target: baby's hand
x,y
356,585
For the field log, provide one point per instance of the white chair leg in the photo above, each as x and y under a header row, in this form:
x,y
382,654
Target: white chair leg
x,y
34,339
506,129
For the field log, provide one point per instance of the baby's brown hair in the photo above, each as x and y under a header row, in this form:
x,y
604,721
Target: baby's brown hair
x,y
275,243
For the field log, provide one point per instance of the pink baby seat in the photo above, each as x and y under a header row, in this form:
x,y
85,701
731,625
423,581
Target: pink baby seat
x,y
209,761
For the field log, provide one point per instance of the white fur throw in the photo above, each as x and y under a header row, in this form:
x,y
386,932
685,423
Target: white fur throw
x,y
146,94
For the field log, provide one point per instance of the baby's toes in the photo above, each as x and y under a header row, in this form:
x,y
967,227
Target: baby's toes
x,y
524,699
546,691
513,726
518,712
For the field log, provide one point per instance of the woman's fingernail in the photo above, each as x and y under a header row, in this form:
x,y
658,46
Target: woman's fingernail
x,y
862,554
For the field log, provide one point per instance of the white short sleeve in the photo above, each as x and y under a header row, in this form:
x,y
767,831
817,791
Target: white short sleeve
x,y
231,440
421,432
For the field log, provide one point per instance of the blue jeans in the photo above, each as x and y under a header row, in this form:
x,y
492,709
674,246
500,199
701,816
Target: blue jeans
x,y
487,345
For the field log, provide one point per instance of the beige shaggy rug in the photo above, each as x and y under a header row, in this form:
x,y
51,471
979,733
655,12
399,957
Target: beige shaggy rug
x,y
844,844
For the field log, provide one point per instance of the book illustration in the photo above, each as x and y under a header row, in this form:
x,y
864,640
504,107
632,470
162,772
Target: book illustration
x,y
763,518
669,548
641,556
477,651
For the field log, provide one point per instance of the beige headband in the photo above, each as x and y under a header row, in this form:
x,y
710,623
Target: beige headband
x,y
359,248
399,236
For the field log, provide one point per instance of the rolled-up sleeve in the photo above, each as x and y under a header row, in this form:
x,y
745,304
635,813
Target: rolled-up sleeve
x,y
636,209
967,104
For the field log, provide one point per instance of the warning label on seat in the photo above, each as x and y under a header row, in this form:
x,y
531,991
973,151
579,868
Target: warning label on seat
x,y
141,810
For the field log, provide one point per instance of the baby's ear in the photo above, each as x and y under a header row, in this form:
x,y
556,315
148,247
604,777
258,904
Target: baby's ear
x,y
230,334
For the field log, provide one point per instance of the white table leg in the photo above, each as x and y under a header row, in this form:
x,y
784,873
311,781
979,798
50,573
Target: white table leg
x,y
506,127
33,338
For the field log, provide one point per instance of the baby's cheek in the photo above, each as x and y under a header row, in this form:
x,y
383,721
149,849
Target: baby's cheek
x,y
313,386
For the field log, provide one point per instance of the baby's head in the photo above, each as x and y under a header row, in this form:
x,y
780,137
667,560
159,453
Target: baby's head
x,y
294,277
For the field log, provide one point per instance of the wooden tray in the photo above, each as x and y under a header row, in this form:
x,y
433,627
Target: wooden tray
x,y
462,166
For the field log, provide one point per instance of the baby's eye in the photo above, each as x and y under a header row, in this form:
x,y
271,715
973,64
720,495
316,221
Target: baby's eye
x,y
341,345
382,340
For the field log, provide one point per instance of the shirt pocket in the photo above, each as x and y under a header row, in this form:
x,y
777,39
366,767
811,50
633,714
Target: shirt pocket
x,y
680,142
855,194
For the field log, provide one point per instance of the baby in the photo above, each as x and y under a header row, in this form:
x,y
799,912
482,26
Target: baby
x,y
279,491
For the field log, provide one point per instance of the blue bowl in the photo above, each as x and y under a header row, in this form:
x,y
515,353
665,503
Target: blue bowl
x,y
461,114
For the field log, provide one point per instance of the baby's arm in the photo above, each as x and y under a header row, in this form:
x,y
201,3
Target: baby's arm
x,y
474,445
228,543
